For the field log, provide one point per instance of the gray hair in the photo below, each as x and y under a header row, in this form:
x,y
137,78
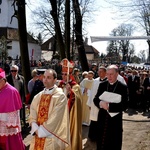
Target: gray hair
x,y
102,67
112,67
14,66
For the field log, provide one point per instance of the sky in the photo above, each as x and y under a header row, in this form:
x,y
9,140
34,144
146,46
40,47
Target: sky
x,y
103,24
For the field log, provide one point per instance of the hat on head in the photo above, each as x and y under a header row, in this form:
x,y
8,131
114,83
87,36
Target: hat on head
x,y
75,70
2,73
67,66
144,73
40,71
94,64
84,73
102,67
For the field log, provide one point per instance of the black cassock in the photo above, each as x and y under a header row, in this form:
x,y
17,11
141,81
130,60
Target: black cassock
x,y
110,128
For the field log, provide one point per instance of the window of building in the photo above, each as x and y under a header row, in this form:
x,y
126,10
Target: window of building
x,y
0,2
50,45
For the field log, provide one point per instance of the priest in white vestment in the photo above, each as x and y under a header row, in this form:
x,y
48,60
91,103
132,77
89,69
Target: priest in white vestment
x,y
49,116
93,109
86,86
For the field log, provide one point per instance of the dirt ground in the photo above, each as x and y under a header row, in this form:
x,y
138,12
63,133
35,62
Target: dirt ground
x,y
136,132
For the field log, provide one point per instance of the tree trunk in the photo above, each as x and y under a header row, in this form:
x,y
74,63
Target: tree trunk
x,y
23,42
148,60
79,38
59,36
124,58
67,28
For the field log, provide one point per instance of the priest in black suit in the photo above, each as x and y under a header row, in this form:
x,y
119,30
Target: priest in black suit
x,y
146,85
110,126
133,86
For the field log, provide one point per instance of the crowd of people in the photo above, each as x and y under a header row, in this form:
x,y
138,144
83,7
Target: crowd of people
x,y
62,100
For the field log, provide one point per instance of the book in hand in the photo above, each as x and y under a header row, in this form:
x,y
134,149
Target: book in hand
x,y
110,98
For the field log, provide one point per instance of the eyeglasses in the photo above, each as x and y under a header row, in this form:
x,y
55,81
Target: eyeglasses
x,y
13,70
64,74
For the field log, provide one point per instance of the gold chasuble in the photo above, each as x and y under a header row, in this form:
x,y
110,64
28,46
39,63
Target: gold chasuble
x,y
50,111
76,120
42,117
74,104
85,110
86,86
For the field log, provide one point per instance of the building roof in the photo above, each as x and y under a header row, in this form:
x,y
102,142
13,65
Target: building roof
x,y
12,34
90,49
45,45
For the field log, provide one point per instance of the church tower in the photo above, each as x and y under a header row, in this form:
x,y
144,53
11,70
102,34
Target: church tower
x,y
6,13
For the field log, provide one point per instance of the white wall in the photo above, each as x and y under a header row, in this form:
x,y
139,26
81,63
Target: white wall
x,y
16,50
6,12
37,51
47,55
90,56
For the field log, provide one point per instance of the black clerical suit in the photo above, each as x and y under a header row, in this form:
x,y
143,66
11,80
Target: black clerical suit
x,y
110,128
146,84
133,86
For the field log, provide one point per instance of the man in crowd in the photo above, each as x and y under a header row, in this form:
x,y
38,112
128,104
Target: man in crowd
x,y
49,116
38,84
133,86
32,81
86,86
111,100
94,69
17,81
92,135
146,85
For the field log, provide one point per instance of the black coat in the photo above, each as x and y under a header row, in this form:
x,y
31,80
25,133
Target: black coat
x,y
21,81
133,85
110,128
146,84
38,87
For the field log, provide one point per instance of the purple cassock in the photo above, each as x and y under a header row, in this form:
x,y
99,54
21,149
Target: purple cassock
x,y
10,99
10,128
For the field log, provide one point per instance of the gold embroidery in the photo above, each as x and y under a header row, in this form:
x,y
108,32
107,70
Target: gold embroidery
x,y
42,117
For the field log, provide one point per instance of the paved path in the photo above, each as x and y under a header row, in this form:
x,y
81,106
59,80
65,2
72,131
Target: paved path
x,y
136,134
